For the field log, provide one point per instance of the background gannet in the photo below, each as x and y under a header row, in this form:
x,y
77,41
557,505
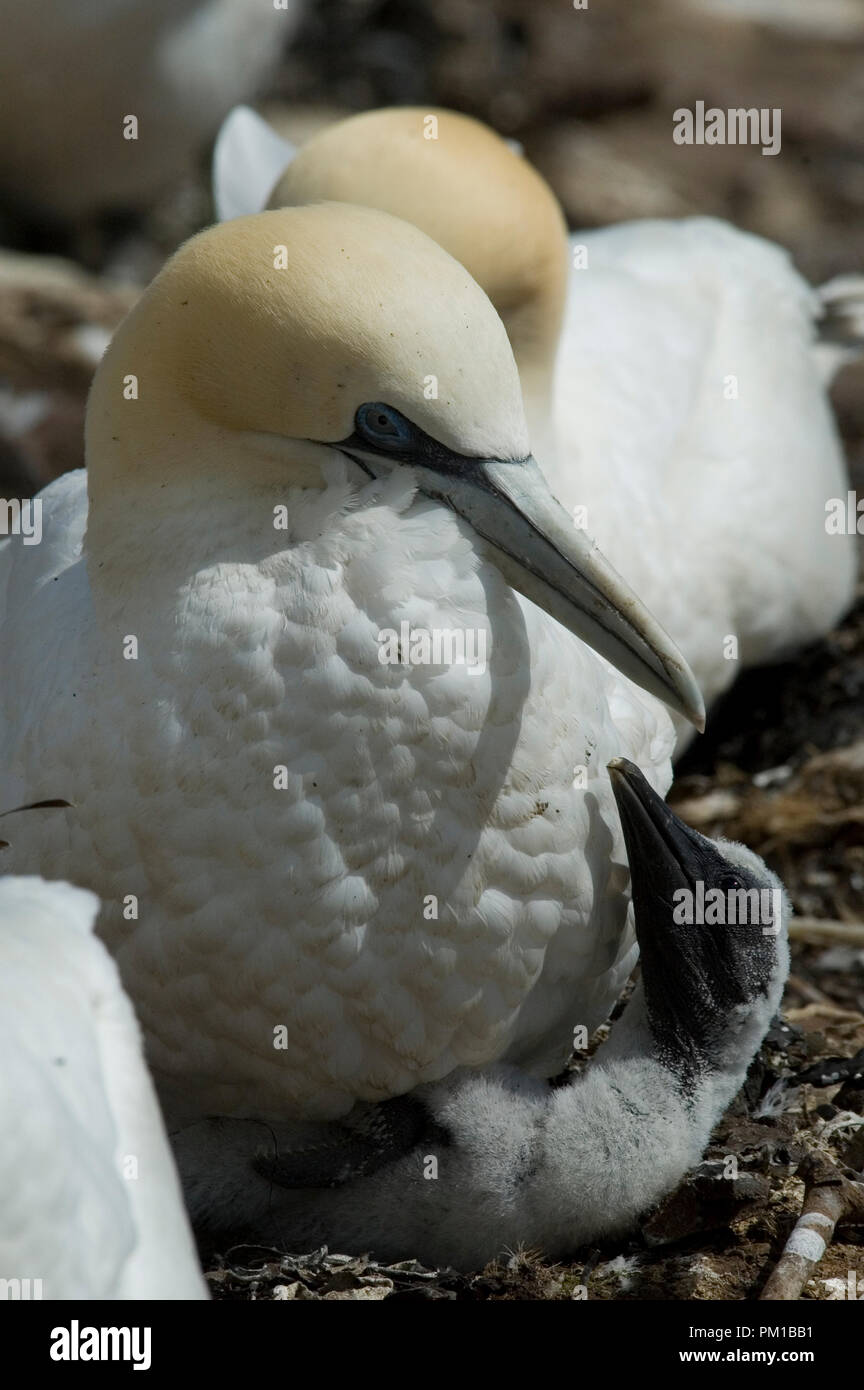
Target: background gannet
x,y
90,1204
326,878
71,75
505,1161
674,384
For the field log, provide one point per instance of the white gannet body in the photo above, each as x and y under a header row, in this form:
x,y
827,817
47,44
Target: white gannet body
x,y
463,1171
71,76
690,381
90,1204
675,388
327,877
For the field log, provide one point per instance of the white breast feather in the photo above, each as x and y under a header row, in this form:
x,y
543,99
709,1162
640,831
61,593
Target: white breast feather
x,y
304,908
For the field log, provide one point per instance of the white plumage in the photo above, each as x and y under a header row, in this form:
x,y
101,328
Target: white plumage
x,y
691,412
674,384
303,907
90,1205
248,158
71,75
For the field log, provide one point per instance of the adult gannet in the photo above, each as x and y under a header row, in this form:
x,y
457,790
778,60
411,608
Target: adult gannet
x,y
327,878
90,1205
494,1160
104,102
674,384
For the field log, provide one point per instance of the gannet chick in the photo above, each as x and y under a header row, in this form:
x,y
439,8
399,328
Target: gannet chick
x,y
74,77
335,863
90,1205
506,1160
674,379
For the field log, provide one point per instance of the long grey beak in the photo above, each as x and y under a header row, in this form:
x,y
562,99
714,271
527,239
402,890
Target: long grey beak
x,y
539,551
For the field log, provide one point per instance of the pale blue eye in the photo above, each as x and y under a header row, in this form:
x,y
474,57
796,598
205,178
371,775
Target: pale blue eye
x,y
384,427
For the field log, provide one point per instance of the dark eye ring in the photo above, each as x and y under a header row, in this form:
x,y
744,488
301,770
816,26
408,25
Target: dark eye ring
x,y
383,426
729,883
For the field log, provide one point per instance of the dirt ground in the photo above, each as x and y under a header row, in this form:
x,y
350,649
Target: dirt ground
x,y
589,94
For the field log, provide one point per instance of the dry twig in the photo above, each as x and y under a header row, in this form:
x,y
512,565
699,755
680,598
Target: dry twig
x,y
818,930
829,1197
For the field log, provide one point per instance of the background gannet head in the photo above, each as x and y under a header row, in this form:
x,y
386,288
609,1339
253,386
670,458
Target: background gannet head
x,y
269,342
469,191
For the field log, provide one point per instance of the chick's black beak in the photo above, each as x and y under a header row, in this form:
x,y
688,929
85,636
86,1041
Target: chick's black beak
x,y
665,855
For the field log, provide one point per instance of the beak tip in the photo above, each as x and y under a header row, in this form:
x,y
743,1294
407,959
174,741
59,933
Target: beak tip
x,y
691,702
622,772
